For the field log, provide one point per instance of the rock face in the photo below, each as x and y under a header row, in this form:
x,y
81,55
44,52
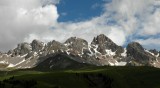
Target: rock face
x,y
102,51
76,45
55,46
22,49
154,52
104,43
139,55
37,45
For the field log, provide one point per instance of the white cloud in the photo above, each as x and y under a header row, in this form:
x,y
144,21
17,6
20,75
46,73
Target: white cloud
x,y
20,18
151,43
117,35
40,16
125,11
151,24
136,18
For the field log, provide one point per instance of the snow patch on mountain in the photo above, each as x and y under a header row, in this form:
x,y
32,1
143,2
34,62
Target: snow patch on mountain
x,y
152,53
13,65
110,53
124,54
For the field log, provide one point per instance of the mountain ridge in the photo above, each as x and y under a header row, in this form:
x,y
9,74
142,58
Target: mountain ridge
x,y
101,51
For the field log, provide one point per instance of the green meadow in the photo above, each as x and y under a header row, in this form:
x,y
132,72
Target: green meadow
x,y
88,77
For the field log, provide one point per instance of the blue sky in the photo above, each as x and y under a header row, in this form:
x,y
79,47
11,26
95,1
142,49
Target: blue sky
x,y
79,10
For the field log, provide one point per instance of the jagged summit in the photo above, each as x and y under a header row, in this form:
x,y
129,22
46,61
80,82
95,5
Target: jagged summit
x,y
138,54
76,45
104,43
101,39
101,51
37,45
22,49
55,46
135,45
74,42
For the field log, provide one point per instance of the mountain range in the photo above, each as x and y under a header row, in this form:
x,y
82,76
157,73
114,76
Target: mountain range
x,y
76,52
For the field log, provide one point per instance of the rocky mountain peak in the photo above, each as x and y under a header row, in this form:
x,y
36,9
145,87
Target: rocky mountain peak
x,y
138,54
22,48
37,45
136,46
101,39
104,43
55,46
76,45
76,40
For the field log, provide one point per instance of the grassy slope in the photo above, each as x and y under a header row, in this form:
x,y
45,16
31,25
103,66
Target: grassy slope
x,y
123,77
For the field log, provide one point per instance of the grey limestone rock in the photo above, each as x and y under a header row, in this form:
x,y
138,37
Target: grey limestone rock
x,y
138,53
